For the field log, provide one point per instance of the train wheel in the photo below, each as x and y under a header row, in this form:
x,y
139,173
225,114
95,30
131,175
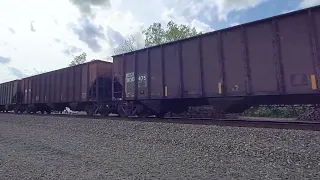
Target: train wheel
x,y
90,110
121,112
29,110
160,114
16,110
104,112
143,113
42,112
48,111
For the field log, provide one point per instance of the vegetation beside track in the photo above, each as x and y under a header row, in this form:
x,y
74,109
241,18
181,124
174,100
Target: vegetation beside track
x,y
276,111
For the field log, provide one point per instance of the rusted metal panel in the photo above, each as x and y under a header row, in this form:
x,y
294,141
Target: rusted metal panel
x,y
211,67
262,62
156,75
191,66
233,57
172,71
142,75
130,76
296,52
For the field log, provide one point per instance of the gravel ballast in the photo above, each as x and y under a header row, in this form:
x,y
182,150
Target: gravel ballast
x,y
43,147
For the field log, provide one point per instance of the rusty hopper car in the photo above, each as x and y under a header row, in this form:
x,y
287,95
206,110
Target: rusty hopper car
x,y
270,61
9,95
81,87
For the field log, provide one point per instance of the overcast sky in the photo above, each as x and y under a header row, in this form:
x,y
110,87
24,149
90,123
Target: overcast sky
x,y
44,35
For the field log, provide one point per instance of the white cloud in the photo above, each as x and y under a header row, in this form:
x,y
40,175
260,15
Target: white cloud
x,y
309,3
42,35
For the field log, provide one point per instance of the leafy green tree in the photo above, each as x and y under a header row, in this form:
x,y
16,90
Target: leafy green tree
x,y
79,59
128,45
156,34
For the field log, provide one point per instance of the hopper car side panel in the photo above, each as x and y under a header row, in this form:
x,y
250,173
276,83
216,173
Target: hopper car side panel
x,y
70,86
77,83
85,76
105,80
42,90
64,85
191,68
9,95
172,71
142,74
118,75
212,71
29,90
261,53
233,57
130,76
1,94
47,88
76,87
155,77
52,87
296,53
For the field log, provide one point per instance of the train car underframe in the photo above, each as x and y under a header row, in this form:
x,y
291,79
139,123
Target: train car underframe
x,y
90,107
221,105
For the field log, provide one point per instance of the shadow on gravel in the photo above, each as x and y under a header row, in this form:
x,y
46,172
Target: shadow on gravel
x,y
283,124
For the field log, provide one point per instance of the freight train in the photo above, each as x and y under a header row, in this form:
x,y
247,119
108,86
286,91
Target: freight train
x,y
270,61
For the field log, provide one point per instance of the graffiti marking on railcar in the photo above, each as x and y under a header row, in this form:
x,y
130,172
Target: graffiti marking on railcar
x,y
129,85
84,95
235,88
130,77
142,81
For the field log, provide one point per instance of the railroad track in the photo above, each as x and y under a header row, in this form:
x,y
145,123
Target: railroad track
x,y
235,122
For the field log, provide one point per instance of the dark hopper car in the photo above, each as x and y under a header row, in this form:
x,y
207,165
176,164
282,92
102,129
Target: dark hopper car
x,y
10,95
82,87
270,61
